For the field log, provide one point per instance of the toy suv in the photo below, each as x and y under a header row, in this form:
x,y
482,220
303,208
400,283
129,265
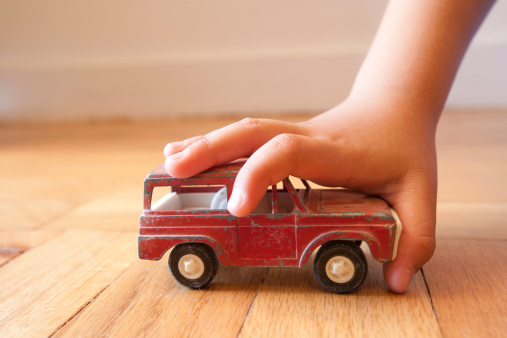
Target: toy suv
x,y
285,228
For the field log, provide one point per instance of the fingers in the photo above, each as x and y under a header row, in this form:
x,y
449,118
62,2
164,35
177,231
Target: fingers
x,y
416,208
269,165
284,155
237,140
347,159
176,147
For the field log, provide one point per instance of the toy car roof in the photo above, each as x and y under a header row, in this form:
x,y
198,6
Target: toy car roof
x,y
228,170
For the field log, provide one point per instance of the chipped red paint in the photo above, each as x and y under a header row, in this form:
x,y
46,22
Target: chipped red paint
x,y
271,239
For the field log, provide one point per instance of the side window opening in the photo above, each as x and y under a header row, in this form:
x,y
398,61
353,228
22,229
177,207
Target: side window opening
x,y
282,203
285,202
196,197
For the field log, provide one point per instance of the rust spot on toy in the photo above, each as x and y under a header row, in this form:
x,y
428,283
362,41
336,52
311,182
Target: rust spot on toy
x,y
274,216
384,216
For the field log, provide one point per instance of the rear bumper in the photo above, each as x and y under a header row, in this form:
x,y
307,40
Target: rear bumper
x,y
397,234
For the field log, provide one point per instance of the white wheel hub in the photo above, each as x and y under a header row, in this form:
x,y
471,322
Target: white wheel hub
x,y
340,269
191,266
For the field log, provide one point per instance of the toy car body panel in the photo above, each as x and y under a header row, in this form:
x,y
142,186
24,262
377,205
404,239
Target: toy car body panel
x,y
286,227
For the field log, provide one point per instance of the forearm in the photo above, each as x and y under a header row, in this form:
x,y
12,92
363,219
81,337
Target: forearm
x,y
417,51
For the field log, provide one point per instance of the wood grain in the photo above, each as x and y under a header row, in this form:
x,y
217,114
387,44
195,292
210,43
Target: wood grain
x,y
116,210
291,303
46,172
472,157
147,301
472,220
467,280
14,243
44,287
70,198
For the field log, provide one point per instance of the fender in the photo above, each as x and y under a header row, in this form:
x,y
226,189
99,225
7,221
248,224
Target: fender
x,y
155,247
372,242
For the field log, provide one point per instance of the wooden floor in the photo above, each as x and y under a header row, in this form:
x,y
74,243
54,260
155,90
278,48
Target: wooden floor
x,y
70,197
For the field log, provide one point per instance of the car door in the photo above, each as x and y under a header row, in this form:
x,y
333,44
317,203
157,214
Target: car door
x,y
269,232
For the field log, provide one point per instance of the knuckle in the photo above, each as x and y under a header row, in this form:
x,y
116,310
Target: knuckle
x,y
250,123
422,246
205,140
427,244
290,142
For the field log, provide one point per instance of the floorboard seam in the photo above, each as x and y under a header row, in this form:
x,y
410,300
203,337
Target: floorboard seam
x,y
88,303
15,252
431,301
247,314
251,305
79,311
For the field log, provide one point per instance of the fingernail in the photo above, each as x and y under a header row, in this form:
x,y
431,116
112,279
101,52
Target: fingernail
x,y
236,200
177,156
171,148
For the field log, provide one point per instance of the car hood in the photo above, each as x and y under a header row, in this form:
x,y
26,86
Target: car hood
x,y
342,200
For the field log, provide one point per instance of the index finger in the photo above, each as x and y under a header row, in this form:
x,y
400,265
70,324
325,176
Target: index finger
x,y
234,141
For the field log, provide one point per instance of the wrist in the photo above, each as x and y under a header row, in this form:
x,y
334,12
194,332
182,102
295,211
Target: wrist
x,y
396,103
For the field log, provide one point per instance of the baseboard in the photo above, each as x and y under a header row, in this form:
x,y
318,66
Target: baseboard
x,y
482,79
245,84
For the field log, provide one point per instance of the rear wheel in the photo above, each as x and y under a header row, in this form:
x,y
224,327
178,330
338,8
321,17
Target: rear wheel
x,y
340,267
193,265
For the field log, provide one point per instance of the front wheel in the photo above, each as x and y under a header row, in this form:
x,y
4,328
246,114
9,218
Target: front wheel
x,y
340,267
193,265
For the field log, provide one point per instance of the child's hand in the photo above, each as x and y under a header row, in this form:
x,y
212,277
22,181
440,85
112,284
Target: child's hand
x,y
385,149
380,140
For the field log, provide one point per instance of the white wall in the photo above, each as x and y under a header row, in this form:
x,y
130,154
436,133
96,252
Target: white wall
x,y
79,60
482,79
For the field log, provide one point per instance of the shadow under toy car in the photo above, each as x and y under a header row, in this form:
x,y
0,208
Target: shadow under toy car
x,y
286,227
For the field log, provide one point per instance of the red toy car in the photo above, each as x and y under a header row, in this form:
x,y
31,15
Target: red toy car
x,y
286,227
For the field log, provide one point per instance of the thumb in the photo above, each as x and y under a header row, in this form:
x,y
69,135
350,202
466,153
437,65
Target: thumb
x,y
416,207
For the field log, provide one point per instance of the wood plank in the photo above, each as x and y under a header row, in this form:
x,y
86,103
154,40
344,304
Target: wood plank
x,y
43,288
60,181
472,127
16,242
80,173
132,136
472,154
472,151
48,171
473,173
29,202
472,220
147,301
467,280
118,210
291,303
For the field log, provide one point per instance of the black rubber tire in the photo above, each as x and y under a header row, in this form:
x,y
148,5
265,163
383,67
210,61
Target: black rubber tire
x,y
349,250
202,251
